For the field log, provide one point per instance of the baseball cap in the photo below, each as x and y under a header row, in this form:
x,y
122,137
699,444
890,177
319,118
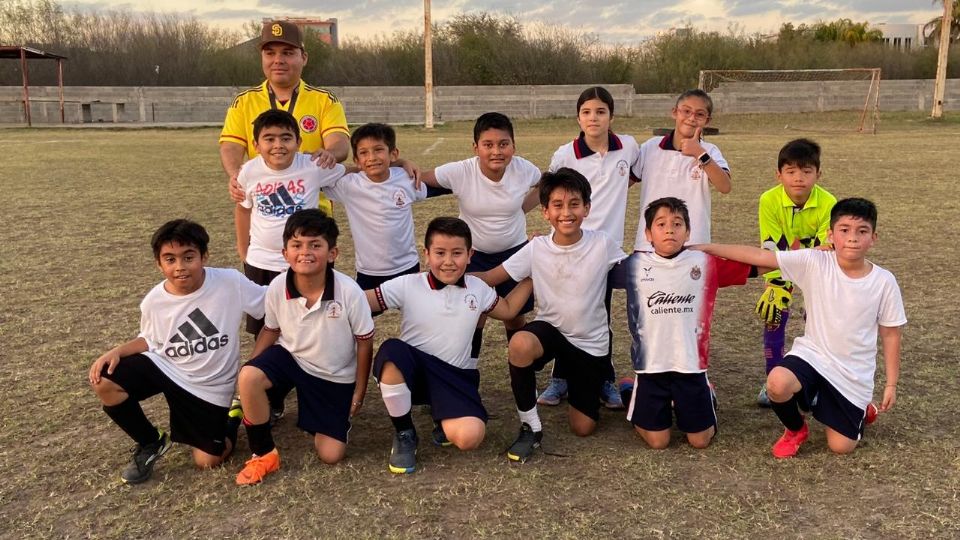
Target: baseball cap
x,y
281,32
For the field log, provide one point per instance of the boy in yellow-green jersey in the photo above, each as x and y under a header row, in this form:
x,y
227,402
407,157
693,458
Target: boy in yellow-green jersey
x,y
793,215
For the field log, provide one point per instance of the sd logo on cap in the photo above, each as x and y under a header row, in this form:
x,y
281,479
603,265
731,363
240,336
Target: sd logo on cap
x,y
281,32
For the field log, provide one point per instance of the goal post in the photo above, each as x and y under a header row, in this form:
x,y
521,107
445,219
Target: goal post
x,y
861,93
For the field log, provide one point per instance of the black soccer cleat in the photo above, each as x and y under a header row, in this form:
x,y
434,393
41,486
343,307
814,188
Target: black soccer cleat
x,y
144,458
527,441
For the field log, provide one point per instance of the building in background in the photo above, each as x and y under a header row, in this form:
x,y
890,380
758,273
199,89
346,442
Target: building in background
x,y
902,36
325,29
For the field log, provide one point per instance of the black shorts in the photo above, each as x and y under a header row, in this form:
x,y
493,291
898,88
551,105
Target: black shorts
x,y
481,262
193,421
585,373
368,282
657,396
260,277
824,401
450,391
323,406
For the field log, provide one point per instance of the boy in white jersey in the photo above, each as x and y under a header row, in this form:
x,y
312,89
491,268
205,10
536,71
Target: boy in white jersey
x,y
670,298
569,271
683,165
378,200
849,301
495,190
276,183
188,350
317,338
430,363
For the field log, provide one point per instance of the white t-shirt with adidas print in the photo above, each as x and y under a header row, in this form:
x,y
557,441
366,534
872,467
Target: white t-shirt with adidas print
x,y
274,196
195,339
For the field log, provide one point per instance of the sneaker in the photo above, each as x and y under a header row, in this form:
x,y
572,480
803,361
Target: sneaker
x,y
610,395
258,467
762,399
789,443
276,412
527,441
403,455
144,458
554,392
438,437
871,413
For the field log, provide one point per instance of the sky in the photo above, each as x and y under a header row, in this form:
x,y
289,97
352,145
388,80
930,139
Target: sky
x,y
612,21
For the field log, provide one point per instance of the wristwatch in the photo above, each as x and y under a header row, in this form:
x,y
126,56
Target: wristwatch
x,y
704,158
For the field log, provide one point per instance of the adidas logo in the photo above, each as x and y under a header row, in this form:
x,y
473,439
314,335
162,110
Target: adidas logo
x,y
280,203
195,336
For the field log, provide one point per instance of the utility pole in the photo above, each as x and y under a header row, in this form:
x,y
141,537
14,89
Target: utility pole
x,y
427,67
940,84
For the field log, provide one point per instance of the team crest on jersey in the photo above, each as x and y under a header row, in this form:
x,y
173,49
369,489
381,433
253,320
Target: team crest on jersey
x,y
696,174
399,198
695,273
622,167
646,273
309,123
471,302
334,310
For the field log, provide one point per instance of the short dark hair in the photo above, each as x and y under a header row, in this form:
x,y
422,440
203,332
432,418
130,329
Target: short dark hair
x,y
376,131
448,226
275,118
673,204
567,179
854,207
180,231
595,92
799,153
311,222
698,93
491,120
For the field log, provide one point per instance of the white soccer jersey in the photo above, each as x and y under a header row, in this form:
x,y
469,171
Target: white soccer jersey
x,y
321,338
840,334
381,220
570,284
670,306
274,196
195,339
665,172
493,210
609,177
439,319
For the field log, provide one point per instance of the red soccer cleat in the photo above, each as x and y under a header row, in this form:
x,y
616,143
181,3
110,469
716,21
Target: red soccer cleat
x,y
789,443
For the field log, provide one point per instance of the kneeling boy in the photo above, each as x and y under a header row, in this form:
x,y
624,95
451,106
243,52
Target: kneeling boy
x,y
849,300
316,338
188,350
431,363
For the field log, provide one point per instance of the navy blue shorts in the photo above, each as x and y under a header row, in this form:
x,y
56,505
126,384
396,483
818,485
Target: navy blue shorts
x,y
368,282
481,262
450,391
193,421
651,409
323,406
260,277
824,401
584,372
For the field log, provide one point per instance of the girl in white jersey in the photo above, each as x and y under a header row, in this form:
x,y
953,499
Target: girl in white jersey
x,y
605,159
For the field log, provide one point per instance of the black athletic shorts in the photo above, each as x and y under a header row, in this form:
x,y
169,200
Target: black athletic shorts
x,y
584,372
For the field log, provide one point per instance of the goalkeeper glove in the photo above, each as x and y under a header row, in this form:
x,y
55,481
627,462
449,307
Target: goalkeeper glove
x,y
773,302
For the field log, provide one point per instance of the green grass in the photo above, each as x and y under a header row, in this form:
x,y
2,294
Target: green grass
x,y
75,262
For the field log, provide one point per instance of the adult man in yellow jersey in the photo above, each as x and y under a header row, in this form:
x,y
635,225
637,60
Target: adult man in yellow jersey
x,y
323,124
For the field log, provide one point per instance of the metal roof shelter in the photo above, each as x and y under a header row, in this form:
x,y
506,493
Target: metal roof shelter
x,y
23,53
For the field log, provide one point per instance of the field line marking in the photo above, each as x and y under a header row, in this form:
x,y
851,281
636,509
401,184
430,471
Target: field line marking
x,y
433,146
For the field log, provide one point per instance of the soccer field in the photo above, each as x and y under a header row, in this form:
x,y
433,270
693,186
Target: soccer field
x,y
75,262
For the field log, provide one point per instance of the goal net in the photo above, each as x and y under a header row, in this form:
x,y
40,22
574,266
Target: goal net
x,y
797,90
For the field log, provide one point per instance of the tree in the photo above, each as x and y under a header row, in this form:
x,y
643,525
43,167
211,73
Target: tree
x,y
846,31
931,30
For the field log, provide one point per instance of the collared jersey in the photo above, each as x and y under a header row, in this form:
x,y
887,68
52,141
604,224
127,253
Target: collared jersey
x,y
273,197
784,227
609,177
493,210
381,220
195,339
843,314
322,338
437,318
570,284
670,307
665,172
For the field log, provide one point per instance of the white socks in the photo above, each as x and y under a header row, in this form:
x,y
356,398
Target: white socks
x,y
531,418
397,399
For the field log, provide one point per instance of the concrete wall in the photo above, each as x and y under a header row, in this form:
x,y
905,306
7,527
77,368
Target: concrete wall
x,y
404,104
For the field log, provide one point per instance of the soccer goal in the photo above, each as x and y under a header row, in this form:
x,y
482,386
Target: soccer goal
x,y
806,90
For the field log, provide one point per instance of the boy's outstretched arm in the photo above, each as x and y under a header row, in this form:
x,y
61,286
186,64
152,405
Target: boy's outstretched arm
x,y
494,276
112,357
531,200
761,258
374,301
890,338
266,338
241,220
508,308
364,361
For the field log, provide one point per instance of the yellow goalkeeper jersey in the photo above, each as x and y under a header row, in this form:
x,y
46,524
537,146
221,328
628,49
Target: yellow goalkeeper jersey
x,y
785,227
